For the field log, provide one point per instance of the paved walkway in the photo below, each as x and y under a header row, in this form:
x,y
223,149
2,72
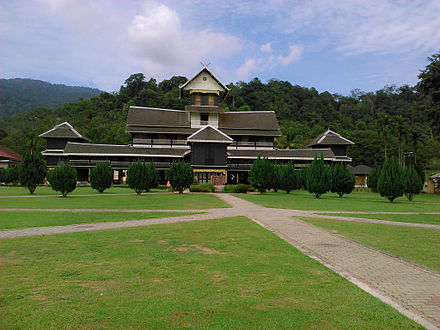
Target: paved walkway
x,y
411,289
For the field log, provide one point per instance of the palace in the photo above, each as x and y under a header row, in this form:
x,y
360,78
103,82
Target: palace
x,y
220,145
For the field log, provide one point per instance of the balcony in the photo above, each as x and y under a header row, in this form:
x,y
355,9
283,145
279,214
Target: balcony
x,y
251,145
116,164
160,143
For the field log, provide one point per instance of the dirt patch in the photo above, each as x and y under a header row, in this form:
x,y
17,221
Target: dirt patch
x,y
100,286
38,297
4,261
162,242
136,241
159,280
195,247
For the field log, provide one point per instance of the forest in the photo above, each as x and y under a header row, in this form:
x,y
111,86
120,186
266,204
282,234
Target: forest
x,y
400,121
21,95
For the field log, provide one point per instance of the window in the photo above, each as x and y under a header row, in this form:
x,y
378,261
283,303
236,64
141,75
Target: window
x,y
211,99
197,99
204,117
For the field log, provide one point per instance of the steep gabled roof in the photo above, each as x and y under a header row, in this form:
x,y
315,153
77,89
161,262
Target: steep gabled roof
x,y
9,154
89,149
359,169
156,117
63,130
330,137
209,134
250,120
204,69
294,154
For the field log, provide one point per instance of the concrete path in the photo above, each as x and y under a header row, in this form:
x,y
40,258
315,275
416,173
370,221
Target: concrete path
x,y
411,289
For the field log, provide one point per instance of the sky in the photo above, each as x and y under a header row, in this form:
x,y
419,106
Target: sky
x,y
331,45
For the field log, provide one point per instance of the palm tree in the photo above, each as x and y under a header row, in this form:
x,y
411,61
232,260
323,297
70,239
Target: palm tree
x,y
385,127
414,138
400,126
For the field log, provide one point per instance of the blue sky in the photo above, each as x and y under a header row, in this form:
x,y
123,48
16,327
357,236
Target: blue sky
x,y
332,45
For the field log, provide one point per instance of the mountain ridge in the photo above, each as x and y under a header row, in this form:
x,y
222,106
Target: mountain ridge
x,y
20,95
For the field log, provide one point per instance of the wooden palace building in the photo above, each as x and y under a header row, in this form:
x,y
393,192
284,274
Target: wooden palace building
x,y
221,146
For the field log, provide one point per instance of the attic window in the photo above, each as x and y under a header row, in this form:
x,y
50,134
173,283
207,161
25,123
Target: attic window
x,y
204,78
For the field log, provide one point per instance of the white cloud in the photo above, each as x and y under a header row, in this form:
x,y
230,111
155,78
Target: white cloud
x,y
267,48
268,61
293,56
159,39
359,27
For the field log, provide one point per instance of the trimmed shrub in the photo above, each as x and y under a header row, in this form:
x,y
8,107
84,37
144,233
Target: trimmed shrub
x,y
391,183
289,178
32,170
101,176
413,183
142,176
181,176
12,175
341,179
2,175
202,187
236,188
317,178
262,174
63,178
277,173
373,177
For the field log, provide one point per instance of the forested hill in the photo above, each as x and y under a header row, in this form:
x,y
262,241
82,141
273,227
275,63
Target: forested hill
x,y
22,95
406,119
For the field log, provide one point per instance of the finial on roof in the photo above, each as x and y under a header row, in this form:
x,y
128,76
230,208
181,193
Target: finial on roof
x,y
204,64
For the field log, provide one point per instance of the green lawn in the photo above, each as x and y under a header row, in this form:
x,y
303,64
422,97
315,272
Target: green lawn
x,y
47,190
152,200
419,245
226,273
19,219
432,219
356,201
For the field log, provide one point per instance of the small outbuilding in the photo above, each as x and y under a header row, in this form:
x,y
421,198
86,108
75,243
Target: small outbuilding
x,y
361,173
433,185
9,157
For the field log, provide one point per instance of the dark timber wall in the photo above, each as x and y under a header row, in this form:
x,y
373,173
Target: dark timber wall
x,y
208,154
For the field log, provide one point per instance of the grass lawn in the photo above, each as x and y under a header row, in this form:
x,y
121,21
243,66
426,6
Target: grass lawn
x,y
152,200
18,219
419,245
226,273
432,219
47,190
356,201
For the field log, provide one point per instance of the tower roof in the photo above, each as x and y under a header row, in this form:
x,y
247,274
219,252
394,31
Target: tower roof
x,y
204,82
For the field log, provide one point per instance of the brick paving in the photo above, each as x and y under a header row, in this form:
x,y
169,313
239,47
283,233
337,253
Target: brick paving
x,y
411,289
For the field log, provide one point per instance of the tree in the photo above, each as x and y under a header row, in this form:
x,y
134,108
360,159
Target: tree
x,y
401,128
317,178
32,170
2,175
342,180
181,176
373,177
63,178
12,175
261,175
276,181
142,176
391,183
430,86
289,178
385,126
101,176
414,138
413,184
